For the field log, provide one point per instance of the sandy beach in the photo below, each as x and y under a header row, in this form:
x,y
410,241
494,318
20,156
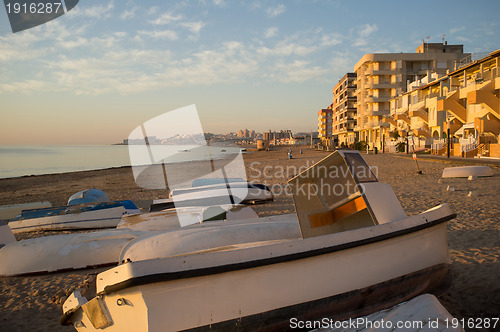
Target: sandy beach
x,y
34,303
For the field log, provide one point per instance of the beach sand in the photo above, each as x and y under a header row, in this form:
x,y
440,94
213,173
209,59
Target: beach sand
x,y
34,303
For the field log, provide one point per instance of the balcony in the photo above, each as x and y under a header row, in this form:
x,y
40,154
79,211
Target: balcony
x,y
422,132
370,72
372,99
383,85
452,105
420,113
487,99
403,118
390,120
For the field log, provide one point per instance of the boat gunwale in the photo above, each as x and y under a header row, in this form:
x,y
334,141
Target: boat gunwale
x,y
205,271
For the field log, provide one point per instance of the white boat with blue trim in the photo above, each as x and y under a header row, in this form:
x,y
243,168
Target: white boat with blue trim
x,y
83,216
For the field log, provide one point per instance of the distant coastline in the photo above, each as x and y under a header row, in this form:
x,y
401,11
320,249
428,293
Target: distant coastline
x,y
19,160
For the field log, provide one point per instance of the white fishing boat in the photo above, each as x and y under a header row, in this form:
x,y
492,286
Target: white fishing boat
x,y
466,171
8,212
64,252
86,216
216,193
358,253
174,218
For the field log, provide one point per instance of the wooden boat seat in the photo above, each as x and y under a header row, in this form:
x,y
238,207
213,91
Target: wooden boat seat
x,y
336,214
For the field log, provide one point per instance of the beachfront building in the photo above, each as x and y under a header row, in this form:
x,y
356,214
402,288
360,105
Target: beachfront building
x,y
325,126
344,111
465,101
381,77
414,114
470,96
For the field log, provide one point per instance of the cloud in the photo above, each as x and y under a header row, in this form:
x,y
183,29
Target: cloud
x,y
137,70
365,32
97,11
25,87
220,3
296,71
128,14
159,34
194,27
271,32
78,60
286,49
456,29
166,18
330,40
73,43
275,11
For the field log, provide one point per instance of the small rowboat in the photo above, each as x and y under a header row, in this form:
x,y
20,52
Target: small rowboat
x,y
86,216
466,171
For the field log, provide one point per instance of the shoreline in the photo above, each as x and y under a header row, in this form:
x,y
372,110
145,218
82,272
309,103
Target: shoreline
x,y
458,160
32,302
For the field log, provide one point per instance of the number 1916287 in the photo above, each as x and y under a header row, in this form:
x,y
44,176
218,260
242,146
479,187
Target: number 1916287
x,y
34,8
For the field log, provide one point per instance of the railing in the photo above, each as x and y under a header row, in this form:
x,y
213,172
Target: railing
x,y
468,147
468,140
488,139
471,58
437,145
483,149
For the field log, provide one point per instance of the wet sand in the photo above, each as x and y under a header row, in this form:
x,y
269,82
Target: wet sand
x,y
34,303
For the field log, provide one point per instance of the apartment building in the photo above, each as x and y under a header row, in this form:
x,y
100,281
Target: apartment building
x,y
381,77
471,97
325,126
465,101
344,110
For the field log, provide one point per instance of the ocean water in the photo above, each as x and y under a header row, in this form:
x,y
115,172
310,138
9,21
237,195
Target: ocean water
x,y
16,160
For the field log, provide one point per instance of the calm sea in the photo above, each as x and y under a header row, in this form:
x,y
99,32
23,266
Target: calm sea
x,y
37,159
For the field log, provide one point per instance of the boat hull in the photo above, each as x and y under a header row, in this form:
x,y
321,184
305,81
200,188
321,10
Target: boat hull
x,y
11,211
238,193
106,217
466,171
344,280
64,252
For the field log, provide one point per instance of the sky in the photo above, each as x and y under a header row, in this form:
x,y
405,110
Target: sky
x,y
94,74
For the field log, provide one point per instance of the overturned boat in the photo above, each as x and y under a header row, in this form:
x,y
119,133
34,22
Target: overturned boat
x,y
215,193
88,196
83,216
466,171
357,253
63,252
8,212
179,217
